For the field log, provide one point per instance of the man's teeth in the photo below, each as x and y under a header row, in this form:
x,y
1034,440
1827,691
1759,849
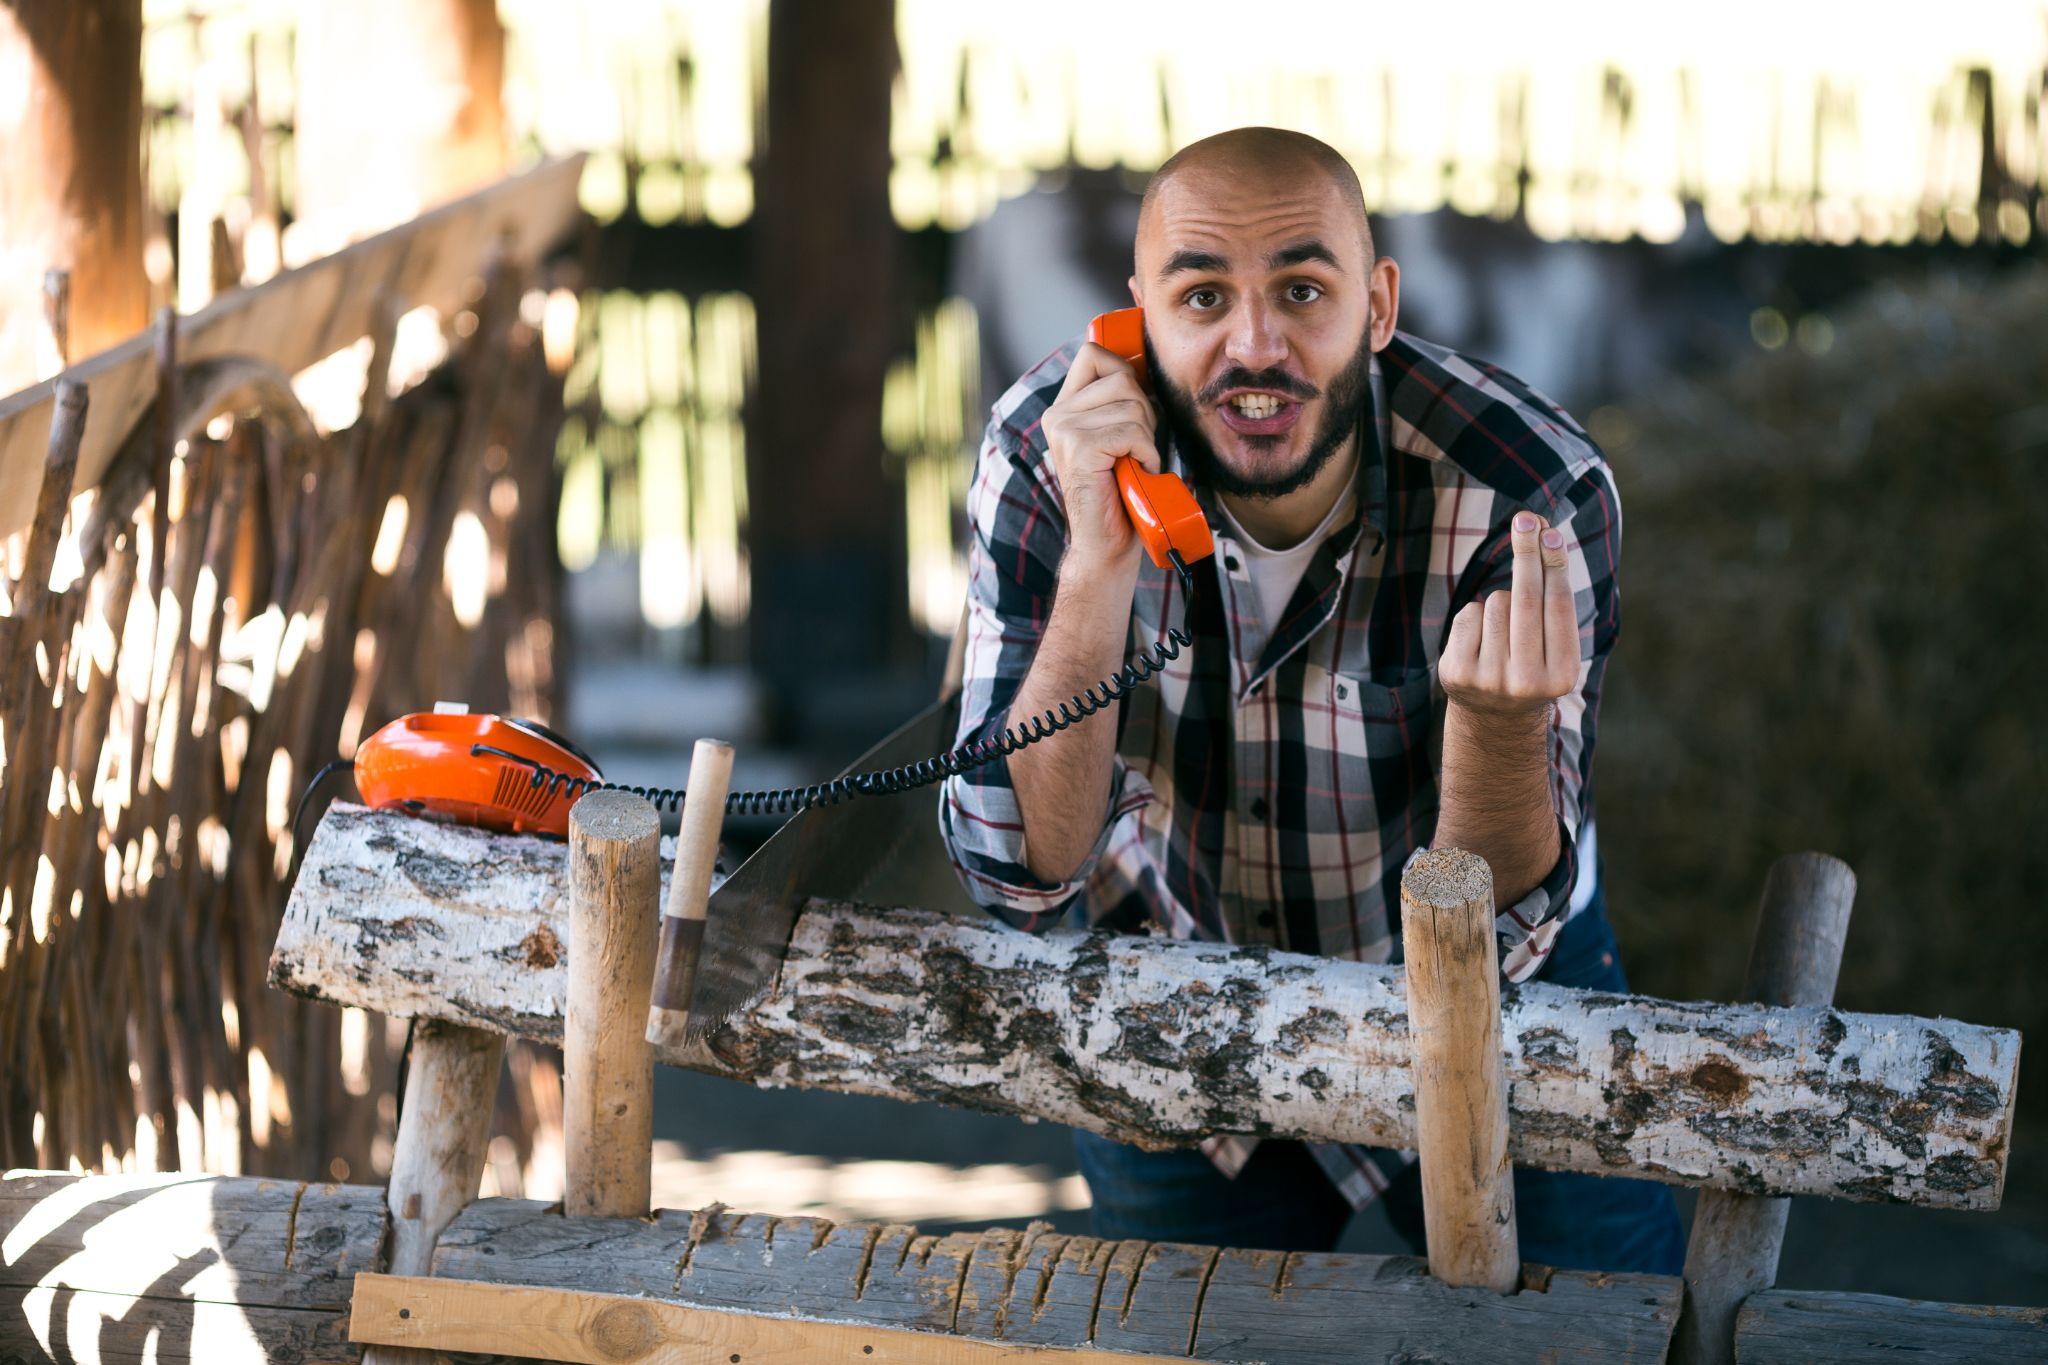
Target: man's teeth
x,y
1256,405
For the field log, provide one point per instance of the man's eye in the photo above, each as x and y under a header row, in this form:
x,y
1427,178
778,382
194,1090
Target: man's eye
x,y
1303,293
1203,299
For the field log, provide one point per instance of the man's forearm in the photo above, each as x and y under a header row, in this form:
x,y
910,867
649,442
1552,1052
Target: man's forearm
x,y
1062,784
1496,796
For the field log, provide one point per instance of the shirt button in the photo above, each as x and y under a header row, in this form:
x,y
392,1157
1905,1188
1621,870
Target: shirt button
x,y
1267,919
1230,563
1342,691
1258,808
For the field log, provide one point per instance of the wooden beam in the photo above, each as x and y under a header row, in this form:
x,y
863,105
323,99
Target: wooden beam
x,y
1792,1327
1794,959
1461,1107
169,1249
1158,1042
297,318
204,1269
1042,1288
612,1329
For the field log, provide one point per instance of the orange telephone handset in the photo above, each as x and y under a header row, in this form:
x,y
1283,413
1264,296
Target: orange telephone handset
x,y
1165,514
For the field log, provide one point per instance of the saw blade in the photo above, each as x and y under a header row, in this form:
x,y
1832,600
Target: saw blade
x,y
878,849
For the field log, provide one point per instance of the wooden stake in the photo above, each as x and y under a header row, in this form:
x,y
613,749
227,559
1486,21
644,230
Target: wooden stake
x,y
1461,1109
608,1071
1736,1238
438,1161
689,892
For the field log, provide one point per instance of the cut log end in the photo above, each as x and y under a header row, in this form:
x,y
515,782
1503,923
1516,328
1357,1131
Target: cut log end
x,y
1444,878
615,817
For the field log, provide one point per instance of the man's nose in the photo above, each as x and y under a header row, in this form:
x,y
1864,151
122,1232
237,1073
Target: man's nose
x,y
1256,341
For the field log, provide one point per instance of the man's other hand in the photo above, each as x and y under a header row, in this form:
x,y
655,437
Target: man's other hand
x,y
1518,651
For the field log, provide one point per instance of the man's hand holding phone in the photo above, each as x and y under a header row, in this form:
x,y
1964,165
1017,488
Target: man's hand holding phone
x,y
1101,415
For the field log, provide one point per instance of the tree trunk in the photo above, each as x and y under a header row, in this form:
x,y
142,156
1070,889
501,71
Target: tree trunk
x,y
1162,1043
824,521
70,178
401,108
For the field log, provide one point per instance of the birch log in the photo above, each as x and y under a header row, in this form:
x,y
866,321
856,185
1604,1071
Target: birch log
x,y
1160,1043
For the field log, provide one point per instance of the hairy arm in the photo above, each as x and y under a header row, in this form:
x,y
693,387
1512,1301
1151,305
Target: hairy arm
x,y
1063,785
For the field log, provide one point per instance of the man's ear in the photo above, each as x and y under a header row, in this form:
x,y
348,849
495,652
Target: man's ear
x,y
1384,289
1137,299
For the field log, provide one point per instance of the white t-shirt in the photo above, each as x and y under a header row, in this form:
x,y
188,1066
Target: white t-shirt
x,y
1276,573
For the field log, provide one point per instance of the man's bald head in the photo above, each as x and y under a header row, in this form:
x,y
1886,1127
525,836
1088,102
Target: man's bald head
x,y
1275,155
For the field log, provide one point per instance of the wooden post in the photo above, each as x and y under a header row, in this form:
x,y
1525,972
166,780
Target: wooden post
x,y
607,1068
1793,960
1461,1107
70,177
825,516
689,892
443,1128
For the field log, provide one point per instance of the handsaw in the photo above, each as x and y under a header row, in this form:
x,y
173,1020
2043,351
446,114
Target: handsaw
x,y
884,850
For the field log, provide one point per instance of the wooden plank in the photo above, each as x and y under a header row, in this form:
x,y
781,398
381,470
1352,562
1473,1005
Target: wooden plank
x,y
1159,1042
1784,1326
1152,1296
1322,1309
62,1324
209,1238
611,1329
298,317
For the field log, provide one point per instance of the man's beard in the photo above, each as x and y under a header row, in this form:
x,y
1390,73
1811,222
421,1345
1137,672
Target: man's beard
x,y
1345,412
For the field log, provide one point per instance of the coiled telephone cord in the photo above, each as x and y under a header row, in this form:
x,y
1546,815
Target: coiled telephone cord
x,y
1146,664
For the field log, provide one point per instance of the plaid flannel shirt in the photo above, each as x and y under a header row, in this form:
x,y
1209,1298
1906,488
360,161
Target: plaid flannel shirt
x,y
1273,782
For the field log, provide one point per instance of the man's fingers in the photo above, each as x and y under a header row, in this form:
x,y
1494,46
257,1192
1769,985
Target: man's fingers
x,y
1525,626
1459,666
1493,642
1091,363
1560,610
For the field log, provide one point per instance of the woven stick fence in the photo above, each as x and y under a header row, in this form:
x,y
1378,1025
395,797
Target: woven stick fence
x,y
234,600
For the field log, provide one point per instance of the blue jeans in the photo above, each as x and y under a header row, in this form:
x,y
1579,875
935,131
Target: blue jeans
x,y
1282,1201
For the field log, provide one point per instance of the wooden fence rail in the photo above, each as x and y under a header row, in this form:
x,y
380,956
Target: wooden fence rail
x,y
1162,1043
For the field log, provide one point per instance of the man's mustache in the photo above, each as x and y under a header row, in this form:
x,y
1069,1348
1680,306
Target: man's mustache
x,y
1274,381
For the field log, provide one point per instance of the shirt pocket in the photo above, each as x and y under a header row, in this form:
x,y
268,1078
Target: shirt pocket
x,y
1382,735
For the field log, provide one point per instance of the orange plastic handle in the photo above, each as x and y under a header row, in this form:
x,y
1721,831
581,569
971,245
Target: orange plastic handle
x,y
1163,511
1164,514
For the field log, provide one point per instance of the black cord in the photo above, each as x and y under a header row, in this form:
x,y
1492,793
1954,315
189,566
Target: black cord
x,y
909,777
299,848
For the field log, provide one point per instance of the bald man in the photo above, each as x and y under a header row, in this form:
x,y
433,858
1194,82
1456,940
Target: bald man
x,y
1399,642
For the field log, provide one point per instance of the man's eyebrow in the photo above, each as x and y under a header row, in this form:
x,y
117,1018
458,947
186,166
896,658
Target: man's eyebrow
x,y
1188,259
1296,253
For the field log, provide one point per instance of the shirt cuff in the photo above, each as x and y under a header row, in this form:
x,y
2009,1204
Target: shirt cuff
x,y
1528,929
992,862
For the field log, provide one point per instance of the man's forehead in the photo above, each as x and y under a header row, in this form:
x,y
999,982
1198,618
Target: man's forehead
x,y
1244,222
